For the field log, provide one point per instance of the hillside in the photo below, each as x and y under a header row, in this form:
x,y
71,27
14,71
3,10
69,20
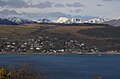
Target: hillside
x,y
62,38
15,31
104,37
106,32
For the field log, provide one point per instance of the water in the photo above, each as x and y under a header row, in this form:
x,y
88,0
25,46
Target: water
x,y
70,66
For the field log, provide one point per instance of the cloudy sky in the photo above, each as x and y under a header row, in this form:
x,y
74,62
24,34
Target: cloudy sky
x,y
57,8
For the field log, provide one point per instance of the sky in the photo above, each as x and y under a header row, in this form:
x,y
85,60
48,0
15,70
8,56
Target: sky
x,y
60,8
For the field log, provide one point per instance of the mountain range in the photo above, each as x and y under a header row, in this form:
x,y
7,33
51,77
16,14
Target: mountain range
x,y
17,21
7,22
20,20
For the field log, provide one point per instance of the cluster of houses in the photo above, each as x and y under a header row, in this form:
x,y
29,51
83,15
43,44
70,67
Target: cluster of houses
x,y
45,45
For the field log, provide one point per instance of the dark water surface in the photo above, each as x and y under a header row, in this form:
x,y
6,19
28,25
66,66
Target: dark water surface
x,y
70,66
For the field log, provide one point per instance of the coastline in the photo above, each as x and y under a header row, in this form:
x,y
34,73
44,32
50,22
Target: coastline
x,y
87,53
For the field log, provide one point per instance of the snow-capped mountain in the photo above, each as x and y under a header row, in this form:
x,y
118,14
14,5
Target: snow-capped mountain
x,y
43,21
63,20
6,22
20,21
68,20
115,18
75,20
95,20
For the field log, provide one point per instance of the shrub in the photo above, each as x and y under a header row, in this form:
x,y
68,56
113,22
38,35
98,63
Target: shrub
x,y
21,72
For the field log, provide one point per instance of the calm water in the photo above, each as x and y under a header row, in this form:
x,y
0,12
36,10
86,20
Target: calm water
x,y
70,66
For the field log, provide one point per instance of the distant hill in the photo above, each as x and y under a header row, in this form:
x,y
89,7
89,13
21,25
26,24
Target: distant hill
x,y
8,12
115,22
17,31
105,32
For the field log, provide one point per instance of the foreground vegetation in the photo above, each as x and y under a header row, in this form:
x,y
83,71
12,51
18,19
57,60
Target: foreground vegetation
x,y
21,72
25,72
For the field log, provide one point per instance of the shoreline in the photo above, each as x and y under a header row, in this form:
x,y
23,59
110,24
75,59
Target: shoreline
x,y
87,53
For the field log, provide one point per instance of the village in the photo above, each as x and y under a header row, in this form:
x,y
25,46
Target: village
x,y
45,45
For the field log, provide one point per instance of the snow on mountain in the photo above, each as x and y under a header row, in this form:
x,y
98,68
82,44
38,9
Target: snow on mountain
x,y
6,22
43,21
68,20
20,21
115,18
95,20
63,20
74,20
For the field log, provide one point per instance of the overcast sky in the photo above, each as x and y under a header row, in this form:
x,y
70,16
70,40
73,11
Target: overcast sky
x,y
98,8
